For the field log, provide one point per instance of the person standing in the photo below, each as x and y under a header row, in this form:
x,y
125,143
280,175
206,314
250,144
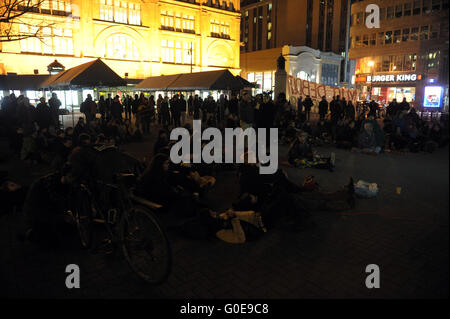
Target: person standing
x,y
102,108
89,108
373,107
323,108
350,111
165,115
54,104
183,107
404,106
190,103
109,102
128,106
308,103
116,109
299,106
197,106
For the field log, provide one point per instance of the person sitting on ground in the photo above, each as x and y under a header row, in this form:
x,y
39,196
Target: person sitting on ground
x,y
161,142
367,140
322,133
301,154
346,135
158,185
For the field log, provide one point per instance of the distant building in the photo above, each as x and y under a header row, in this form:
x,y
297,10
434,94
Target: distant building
x,y
406,54
301,62
269,25
135,38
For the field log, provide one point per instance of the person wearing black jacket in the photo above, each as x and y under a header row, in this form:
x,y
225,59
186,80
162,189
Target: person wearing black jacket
x,y
307,104
116,109
323,108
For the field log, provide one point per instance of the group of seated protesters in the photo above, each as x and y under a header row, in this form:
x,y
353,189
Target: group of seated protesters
x,y
405,131
264,200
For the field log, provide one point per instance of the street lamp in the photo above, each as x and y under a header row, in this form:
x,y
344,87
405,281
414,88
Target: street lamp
x,y
371,64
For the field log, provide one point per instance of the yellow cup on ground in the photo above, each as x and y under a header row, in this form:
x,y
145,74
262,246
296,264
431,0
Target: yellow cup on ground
x,y
399,190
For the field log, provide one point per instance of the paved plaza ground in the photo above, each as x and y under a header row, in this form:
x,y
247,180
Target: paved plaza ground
x,y
406,235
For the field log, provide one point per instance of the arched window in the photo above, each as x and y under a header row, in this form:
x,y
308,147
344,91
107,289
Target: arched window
x,y
121,46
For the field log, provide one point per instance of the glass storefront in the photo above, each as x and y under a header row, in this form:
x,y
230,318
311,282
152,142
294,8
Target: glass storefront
x,y
387,94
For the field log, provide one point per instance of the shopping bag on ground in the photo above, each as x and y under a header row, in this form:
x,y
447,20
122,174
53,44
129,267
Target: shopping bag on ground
x,y
365,189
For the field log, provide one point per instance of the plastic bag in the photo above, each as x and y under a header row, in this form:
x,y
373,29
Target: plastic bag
x,y
365,189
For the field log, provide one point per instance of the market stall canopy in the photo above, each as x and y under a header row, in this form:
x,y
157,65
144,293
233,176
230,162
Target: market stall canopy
x,y
88,75
246,83
157,83
22,82
210,80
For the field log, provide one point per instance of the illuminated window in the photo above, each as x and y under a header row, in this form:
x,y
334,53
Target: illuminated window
x,y
121,46
120,11
167,20
177,52
134,13
220,29
106,10
47,41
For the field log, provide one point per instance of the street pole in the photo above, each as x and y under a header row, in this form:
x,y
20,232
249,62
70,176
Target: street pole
x,y
190,50
347,35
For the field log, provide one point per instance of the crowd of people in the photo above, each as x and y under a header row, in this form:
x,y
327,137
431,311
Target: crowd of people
x,y
36,136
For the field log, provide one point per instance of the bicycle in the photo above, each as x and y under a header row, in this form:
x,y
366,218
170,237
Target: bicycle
x,y
130,224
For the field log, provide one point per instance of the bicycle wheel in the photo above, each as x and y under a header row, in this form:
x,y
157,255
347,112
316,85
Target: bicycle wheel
x,y
83,219
145,245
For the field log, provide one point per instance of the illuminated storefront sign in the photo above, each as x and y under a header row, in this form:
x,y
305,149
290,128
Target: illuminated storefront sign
x,y
432,96
393,78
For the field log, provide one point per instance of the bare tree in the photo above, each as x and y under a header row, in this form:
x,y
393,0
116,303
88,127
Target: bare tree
x,y
13,14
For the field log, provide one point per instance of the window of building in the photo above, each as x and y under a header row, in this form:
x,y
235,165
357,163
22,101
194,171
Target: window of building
x,y
359,18
120,11
416,8
380,38
134,13
388,37
407,9
398,11
389,13
220,29
424,33
358,42
167,20
382,14
397,36
365,40
31,44
121,46
177,52
414,34
433,59
444,5
434,31
405,35
426,6
50,40
386,61
373,39
435,5
55,7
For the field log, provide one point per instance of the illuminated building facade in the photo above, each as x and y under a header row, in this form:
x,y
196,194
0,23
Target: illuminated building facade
x,y
408,53
135,38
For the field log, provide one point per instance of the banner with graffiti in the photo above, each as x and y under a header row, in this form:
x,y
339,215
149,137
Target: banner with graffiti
x,y
298,87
